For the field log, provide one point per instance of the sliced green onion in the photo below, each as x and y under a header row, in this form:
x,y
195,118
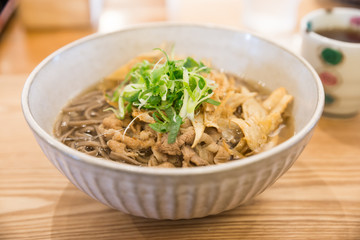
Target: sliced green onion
x,y
173,89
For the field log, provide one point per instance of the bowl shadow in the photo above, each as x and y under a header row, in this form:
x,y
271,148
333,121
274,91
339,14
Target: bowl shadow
x,y
338,127
270,214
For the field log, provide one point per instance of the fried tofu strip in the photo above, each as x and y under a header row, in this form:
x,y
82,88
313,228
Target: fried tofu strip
x,y
260,119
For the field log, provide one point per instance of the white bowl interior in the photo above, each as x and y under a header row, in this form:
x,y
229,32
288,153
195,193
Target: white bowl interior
x,y
70,70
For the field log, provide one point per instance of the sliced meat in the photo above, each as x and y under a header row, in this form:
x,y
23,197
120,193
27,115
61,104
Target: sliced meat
x,y
221,156
142,115
190,155
123,158
112,122
153,162
166,165
205,154
119,147
164,147
214,133
132,142
160,157
186,136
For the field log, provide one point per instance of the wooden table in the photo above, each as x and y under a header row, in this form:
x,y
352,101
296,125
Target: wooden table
x,y
318,198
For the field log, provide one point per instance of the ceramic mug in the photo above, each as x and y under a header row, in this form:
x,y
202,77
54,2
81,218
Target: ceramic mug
x,y
336,61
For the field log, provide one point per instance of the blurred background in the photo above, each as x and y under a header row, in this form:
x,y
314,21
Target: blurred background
x,y
32,29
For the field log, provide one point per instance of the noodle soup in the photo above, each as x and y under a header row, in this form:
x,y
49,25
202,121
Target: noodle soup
x,y
191,116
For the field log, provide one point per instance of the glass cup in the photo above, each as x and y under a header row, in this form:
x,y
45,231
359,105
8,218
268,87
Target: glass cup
x,y
336,61
270,17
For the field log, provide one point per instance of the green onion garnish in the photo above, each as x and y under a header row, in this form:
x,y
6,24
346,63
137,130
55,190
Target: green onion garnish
x,y
173,90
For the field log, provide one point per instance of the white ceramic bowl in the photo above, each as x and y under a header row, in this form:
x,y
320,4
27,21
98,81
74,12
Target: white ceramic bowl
x,y
171,193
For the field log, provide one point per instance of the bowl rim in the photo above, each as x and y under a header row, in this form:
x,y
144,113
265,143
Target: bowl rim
x,y
166,172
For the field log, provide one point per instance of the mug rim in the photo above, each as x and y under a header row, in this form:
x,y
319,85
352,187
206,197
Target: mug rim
x,y
323,11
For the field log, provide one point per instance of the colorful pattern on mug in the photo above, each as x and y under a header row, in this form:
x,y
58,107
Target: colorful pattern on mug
x,y
309,26
329,99
328,78
355,21
331,56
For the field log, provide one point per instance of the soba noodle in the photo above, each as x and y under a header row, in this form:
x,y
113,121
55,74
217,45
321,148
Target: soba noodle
x,y
78,124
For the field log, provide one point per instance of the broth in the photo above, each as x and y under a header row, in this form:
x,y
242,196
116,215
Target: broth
x,y
341,34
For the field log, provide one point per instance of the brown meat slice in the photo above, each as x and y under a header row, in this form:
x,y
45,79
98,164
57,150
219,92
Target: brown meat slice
x,y
119,147
160,157
112,122
164,147
186,136
147,133
190,155
166,165
142,115
221,156
132,142
214,133
209,143
206,138
205,154
153,162
185,164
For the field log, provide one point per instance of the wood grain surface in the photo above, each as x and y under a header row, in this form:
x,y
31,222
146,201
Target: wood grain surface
x,y
318,198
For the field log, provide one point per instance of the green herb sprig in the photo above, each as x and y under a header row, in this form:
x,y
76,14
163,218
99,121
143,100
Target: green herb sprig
x,y
173,90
